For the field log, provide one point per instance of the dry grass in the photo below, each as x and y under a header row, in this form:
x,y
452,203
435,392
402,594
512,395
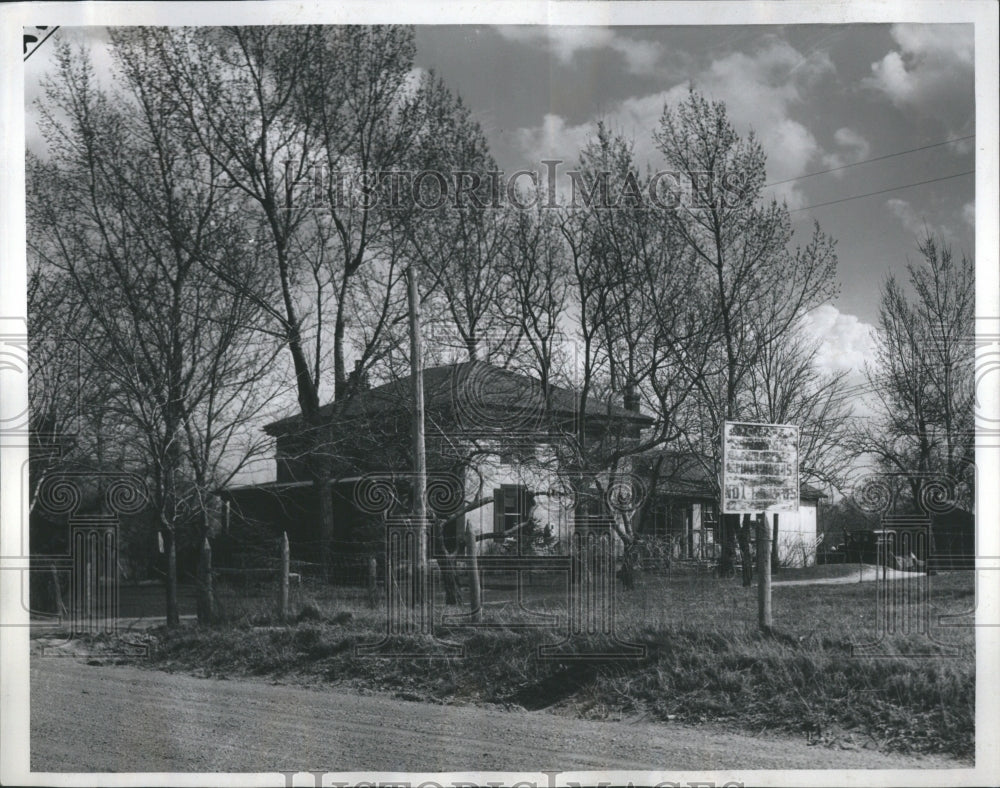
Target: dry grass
x,y
705,660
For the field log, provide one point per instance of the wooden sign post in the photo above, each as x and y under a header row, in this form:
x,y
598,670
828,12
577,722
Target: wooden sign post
x,y
763,574
760,476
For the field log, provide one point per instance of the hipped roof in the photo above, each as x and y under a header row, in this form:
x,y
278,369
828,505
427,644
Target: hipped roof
x,y
468,389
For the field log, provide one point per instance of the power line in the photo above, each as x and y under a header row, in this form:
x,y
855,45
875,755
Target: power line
x,y
876,158
883,191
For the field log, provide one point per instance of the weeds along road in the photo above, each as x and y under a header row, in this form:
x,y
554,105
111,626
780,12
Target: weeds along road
x,y
116,718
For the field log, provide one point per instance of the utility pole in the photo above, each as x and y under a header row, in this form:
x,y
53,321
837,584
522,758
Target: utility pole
x,y
421,595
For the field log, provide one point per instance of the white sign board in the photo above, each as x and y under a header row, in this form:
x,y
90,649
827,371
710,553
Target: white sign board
x,y
760,468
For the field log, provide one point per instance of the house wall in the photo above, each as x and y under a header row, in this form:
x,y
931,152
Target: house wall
x,y
290,458
536,472
797,536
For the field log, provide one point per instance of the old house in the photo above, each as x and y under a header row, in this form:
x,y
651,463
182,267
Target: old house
x,y
492,435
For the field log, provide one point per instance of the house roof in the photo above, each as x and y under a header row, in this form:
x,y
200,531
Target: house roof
x,y
478,394
682,474
280,487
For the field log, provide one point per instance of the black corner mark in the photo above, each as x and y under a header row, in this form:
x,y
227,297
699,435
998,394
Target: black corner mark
x,y
30,38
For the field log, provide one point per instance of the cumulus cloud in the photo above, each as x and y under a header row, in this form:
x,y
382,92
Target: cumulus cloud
x,y
903,211
930,72
852,148
845,342
411,83
761,89
553,138
640,56
917,224
969,214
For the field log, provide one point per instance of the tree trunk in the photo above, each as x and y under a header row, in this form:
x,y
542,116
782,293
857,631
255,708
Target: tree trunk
x,y
642,526
475,590
173,614
744,540
764,619
321,488
627,573
730,525
448,565
206,602
57,599
372,582
449,578
419,448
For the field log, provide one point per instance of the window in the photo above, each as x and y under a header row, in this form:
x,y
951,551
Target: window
x,y
709,521
511,505
710,514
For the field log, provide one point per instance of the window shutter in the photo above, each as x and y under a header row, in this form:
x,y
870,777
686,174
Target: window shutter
x,y
498,506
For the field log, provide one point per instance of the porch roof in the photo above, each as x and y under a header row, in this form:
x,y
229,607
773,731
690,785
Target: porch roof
x,y
684,475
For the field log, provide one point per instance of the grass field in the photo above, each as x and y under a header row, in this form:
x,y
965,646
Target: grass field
x,y
705,660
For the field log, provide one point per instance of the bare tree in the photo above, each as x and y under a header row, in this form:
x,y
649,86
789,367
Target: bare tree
x,y
537,264
58,382
786,387
133,220
302,121
760,287
456,228
922,376
637,310
357,89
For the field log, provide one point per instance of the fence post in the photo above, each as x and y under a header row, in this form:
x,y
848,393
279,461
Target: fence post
x,y
88,604
283,589
372,582
57,595
206,602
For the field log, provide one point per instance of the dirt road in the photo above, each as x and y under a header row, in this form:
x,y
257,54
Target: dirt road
x,y
115,718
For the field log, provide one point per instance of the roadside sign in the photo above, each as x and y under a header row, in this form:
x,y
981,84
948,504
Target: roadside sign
x,y
760,468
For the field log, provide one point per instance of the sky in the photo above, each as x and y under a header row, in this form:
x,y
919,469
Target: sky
x,y
818,97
